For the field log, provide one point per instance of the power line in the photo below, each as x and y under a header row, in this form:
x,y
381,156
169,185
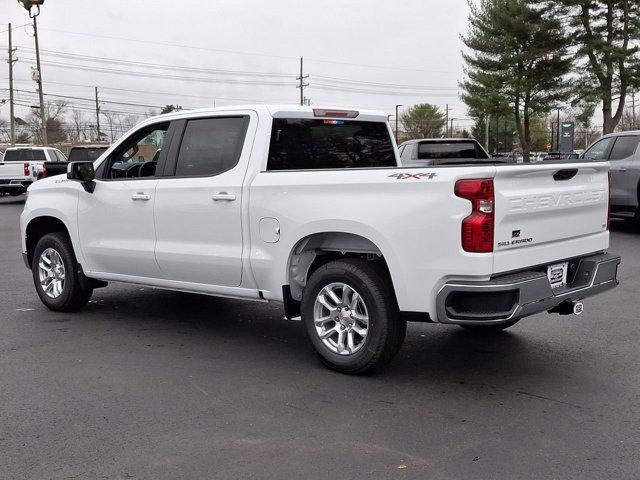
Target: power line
x,y
102,60
254,54
130,73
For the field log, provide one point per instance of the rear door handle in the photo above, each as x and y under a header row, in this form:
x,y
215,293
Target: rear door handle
x,y
141,196
619,169
223,196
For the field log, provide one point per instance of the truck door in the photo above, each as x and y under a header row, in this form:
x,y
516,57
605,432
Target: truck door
x,y
198,208
624,179
115,221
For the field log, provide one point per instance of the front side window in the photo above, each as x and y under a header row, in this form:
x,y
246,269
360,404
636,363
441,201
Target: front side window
x,y
211,146
624,147
598,151
303,144
138,156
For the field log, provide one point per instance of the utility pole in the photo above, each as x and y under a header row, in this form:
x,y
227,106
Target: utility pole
x,y
11,112
302,78
497,134
40,92
397,122
446,122
451,129
558,133
97,116
486,132
633,106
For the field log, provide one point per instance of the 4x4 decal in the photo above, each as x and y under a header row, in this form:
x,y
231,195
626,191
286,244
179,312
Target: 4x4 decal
x,y
414,176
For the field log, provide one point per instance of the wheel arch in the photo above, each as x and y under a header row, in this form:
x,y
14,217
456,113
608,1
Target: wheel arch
x,y
38,227
316,249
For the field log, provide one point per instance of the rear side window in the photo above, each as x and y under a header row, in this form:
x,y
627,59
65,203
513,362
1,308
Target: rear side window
x,y
25,155
59,156
305,144
433,150
211,146
624,147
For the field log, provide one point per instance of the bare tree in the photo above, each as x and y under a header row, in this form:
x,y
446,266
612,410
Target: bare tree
x,y
78,130
5,135
54,114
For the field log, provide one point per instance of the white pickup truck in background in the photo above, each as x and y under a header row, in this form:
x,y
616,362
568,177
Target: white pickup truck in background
x,y
21,166
310,207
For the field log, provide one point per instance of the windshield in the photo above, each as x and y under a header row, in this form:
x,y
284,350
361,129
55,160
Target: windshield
x,y
443,149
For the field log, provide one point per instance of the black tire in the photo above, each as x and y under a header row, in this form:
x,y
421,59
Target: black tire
x,y
386,330
16,193
73,296
492,329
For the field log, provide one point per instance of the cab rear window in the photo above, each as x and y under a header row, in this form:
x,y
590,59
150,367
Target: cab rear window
x,y
25,155
433,150
313,144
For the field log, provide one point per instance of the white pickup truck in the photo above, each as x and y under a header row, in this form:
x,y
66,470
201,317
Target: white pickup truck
x,y
309,207
21,166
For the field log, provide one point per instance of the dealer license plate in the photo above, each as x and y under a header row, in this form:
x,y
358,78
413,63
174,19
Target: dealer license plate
x,y
557,274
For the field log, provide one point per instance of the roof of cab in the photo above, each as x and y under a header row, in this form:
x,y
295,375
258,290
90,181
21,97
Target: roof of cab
x,y
278,110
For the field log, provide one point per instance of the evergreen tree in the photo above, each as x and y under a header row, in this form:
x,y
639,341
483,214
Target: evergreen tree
x,y
423,121
518,57
606,34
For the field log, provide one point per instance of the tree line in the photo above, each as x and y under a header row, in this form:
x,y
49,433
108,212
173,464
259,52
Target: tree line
x,y
525,58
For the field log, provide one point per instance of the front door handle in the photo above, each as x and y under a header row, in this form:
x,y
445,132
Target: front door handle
x,y
223,196
619,169
141,196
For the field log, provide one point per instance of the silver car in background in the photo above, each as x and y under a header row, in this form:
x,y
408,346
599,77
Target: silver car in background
x,y
621,149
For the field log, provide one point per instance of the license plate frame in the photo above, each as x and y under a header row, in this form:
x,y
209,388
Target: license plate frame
x,y
557,274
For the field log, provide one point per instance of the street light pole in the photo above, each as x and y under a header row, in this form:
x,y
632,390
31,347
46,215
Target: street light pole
x,y
28,6
40,93
397,122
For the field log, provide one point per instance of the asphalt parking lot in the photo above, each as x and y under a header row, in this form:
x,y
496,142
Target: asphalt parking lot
x,y
159,385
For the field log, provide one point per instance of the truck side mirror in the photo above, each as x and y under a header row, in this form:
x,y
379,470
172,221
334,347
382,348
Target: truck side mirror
x,y
82,172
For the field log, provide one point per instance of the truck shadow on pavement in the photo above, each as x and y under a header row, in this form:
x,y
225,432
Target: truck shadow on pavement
x,y
255,335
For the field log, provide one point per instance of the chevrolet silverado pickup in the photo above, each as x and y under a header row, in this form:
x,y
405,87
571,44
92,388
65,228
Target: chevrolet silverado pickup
x,y
311,207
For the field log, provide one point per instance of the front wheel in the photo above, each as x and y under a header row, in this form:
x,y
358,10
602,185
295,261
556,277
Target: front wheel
x,y
55,274
351,316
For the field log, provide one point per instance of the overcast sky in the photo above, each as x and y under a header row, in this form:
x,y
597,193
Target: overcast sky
x,y
241,51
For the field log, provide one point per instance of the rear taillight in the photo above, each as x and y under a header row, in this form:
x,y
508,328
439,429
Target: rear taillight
x,y
25,169
609,203
44,172
477,228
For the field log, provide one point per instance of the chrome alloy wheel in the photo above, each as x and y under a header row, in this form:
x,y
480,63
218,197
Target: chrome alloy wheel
x,y
341,318
51,273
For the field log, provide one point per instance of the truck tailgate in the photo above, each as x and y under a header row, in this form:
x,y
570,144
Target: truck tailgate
x,y
12,171
545,213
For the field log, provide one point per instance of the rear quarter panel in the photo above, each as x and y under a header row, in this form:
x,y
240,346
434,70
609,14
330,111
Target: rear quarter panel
x,y
414,219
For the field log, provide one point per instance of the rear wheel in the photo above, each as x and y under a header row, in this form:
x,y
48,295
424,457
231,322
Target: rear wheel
x,y
15,193
490,329
351,316
55,274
